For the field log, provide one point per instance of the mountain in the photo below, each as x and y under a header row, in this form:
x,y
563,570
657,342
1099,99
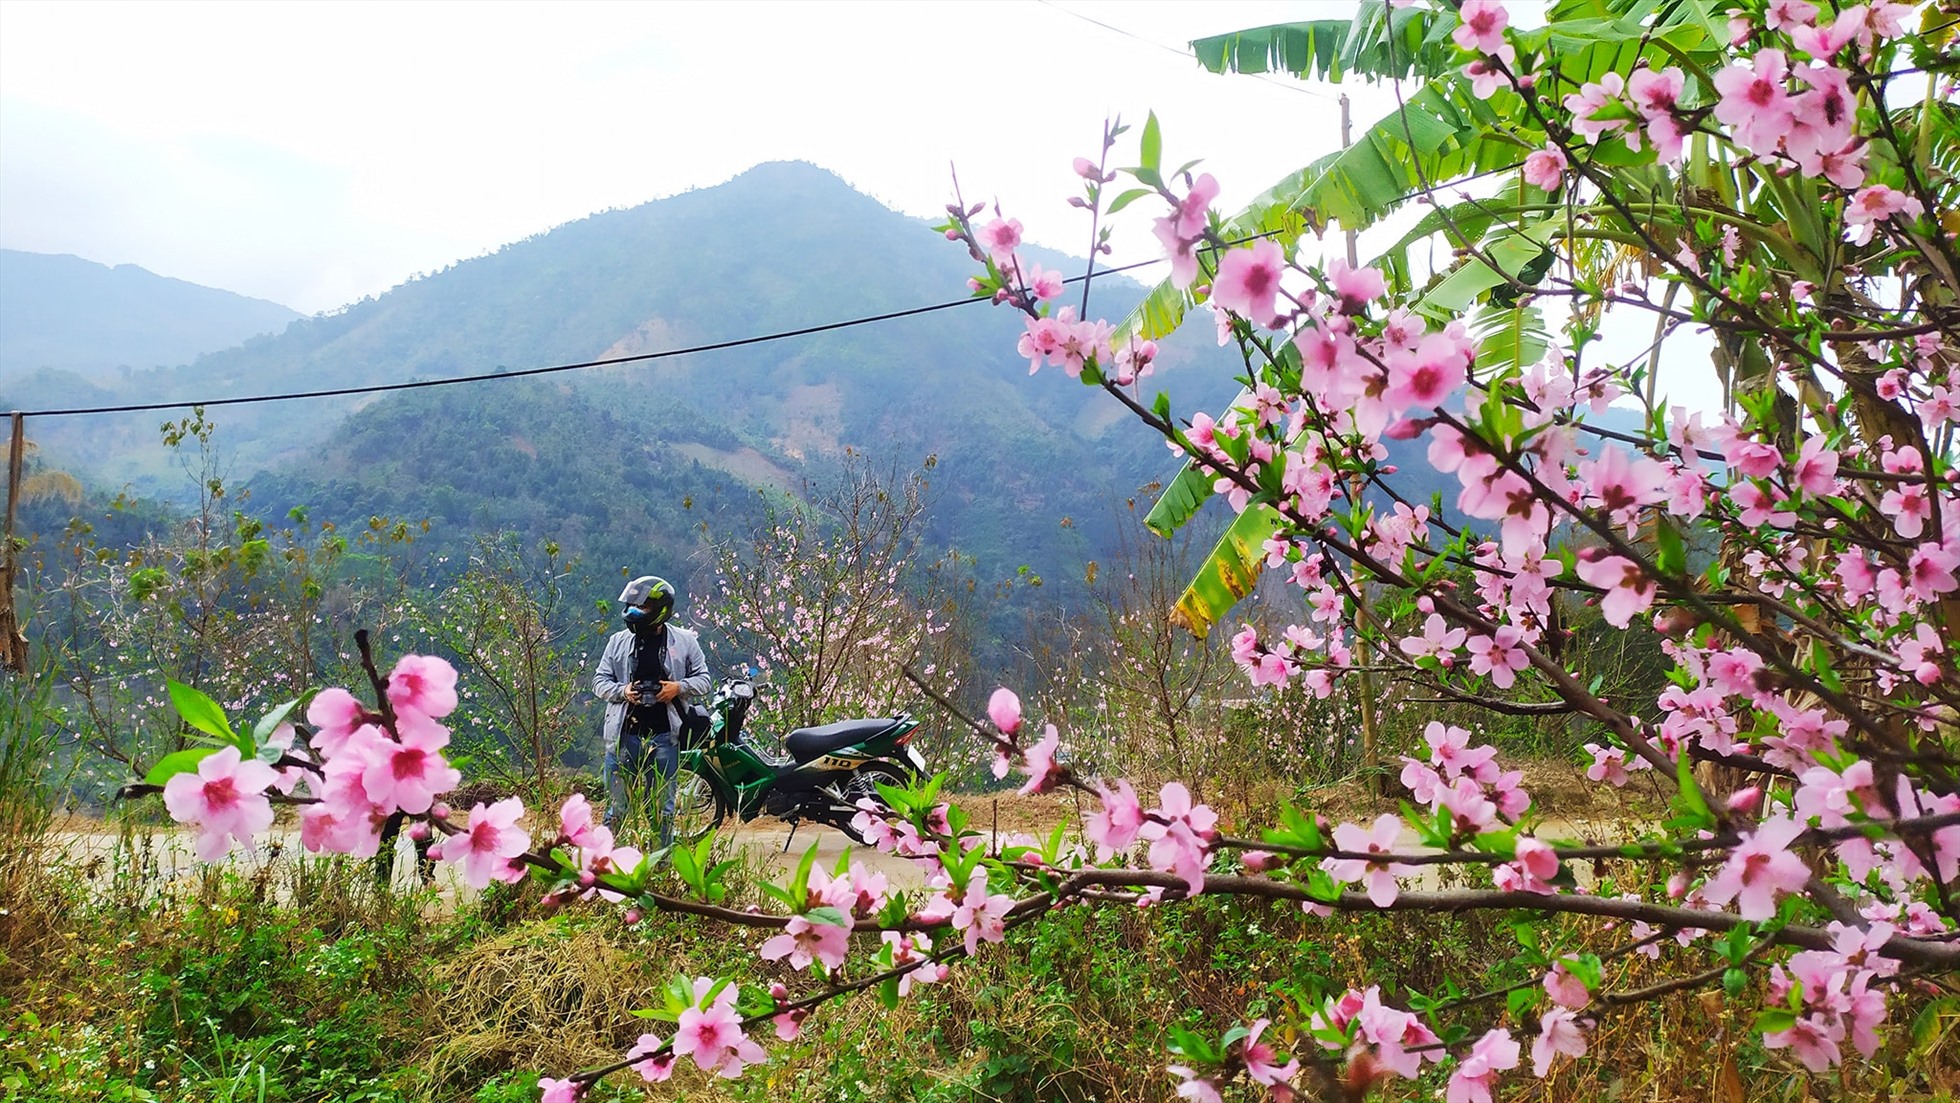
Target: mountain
x,y
69,315
622,464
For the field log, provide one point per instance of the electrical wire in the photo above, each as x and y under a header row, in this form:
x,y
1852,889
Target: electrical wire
x,y
382,388
1275,82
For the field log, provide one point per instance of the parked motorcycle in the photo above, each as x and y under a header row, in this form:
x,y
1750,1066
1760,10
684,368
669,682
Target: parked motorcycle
x,y
829,769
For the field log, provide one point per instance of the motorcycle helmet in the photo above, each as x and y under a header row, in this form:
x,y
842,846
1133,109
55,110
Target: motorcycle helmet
x,y
649,601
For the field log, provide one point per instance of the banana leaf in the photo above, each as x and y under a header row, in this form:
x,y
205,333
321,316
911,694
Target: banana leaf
x,y
1186,494
1509,337
1518,254
1230,572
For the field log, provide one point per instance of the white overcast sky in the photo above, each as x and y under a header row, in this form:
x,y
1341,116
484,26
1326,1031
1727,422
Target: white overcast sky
x,y
313,153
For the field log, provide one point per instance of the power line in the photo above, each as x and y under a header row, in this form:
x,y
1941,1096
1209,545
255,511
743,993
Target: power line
x,y
380,388
1275,82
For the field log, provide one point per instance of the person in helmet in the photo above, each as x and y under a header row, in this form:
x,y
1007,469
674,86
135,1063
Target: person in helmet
x,y
649,670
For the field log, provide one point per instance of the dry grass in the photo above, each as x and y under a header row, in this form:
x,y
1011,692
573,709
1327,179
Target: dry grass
x,y
540,995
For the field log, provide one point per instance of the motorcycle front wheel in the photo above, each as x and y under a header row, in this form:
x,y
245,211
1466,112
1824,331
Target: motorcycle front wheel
x,y
698,809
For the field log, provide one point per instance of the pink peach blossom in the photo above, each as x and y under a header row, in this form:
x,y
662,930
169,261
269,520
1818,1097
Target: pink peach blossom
x,y
484,849
225,799
423,684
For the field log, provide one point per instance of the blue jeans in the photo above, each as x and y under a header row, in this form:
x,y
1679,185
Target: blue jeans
x,y
643,764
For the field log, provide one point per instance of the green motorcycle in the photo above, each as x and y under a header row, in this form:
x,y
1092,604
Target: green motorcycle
x,y
829,770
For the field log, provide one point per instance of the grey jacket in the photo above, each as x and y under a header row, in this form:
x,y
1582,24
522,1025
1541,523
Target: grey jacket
x,y
685,664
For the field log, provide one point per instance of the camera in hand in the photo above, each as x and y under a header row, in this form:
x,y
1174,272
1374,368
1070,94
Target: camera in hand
x,y
647,688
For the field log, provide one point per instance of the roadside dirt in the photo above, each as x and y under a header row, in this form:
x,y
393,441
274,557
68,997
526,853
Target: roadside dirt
x,y
1569,806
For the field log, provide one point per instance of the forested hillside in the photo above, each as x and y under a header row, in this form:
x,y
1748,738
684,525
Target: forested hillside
x,y
602,460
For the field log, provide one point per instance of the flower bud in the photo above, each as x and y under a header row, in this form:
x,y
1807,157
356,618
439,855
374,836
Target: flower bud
x,y
439,811
632,916
418,831
587,878
1744,801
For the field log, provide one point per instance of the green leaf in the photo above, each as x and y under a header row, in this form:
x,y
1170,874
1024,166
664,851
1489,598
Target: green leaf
x,y
1672,555
202,713
1588,969
1514,255
1827,675
1520,1001
1379,42
1322,887
1151,147
1128,198
1296,828
828,915
270,722
1186,494
1687,798
888,992
688,868
799,891
1508,337
177,762
1926,1024
1230,571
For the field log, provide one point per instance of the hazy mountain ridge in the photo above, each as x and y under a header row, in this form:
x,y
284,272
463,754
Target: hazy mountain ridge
x,y
68,315
626,462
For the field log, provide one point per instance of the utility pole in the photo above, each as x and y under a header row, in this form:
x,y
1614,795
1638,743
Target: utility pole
x,y
1347,139
13,642
1365,686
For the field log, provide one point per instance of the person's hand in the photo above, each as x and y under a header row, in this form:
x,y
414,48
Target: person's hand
x,y
632,695
668,691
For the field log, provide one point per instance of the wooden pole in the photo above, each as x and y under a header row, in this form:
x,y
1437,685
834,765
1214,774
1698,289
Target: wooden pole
x,y
13,642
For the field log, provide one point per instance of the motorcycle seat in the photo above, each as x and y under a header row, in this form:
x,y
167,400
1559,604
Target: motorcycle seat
x,y
805,744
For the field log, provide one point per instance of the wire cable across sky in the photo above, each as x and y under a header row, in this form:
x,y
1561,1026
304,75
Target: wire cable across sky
x,y
482,377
